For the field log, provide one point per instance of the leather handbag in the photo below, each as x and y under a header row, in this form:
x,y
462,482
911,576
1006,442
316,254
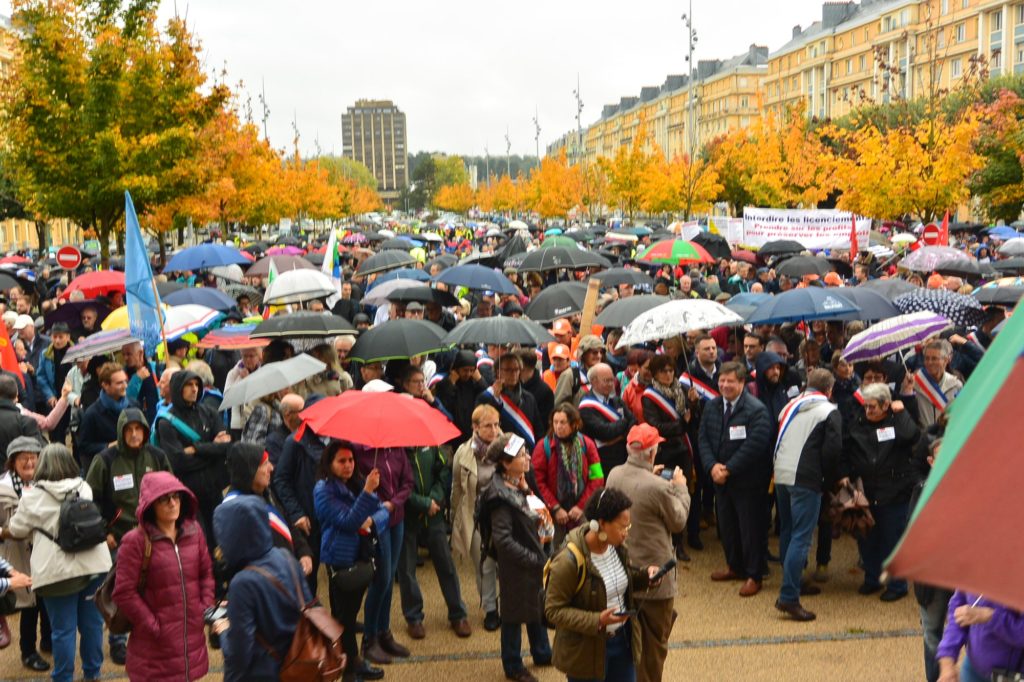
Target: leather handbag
x,y
117,622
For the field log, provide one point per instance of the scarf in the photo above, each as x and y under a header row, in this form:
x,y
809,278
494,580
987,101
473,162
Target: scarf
x,y
673,391
111,405
479,448
17,483
571,481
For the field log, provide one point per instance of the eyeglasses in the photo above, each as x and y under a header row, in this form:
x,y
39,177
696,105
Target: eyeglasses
x,y
873,407
166,499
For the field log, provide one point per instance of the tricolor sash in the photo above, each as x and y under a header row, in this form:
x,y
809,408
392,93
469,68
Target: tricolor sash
x,y
687,380
515,415
591,402
277,522
793,408
931,390
436,379
667,405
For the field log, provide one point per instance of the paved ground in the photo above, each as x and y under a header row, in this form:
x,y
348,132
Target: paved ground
x,y
719,636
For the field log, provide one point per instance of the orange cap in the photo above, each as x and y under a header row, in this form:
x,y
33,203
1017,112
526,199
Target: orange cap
x,y
561,326
936,281
561,351
644,435
833,279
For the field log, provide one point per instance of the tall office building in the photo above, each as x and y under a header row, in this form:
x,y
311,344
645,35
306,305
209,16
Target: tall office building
x,y
374,133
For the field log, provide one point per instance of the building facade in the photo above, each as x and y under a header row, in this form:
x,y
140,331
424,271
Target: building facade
x,y
6,46
374,133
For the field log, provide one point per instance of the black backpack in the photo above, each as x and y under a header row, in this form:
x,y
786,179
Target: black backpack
x,y
80,525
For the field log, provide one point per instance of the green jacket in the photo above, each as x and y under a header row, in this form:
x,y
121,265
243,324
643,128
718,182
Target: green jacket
x,y
432,479
579,643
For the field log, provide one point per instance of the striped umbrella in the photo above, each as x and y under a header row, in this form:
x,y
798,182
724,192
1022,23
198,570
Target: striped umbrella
x,y
234,337
893,335
675,252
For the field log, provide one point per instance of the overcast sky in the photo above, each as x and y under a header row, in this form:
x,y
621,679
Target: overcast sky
x,y
465,71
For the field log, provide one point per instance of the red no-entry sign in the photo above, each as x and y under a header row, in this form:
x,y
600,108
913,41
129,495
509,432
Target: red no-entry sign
x,y
930,234
68,257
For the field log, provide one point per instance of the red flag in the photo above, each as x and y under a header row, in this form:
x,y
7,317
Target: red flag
x,y
8,358
944,231
853,238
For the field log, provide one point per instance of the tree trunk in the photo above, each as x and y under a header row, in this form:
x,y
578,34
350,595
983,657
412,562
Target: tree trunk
x,y
42,233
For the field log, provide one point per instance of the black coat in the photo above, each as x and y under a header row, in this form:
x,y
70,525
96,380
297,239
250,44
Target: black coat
x,y
748,459
296,474
12,425
611,434
524,400
889,468
460,400
674,451
98,429
543,396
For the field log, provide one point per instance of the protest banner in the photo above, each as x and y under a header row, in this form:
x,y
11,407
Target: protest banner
x,y
814,228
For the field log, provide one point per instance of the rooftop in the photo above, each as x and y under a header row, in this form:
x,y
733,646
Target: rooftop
x,y
837,17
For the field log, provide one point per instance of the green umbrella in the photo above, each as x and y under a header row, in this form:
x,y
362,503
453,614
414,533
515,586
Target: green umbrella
x,y
675,252
559,240
966,529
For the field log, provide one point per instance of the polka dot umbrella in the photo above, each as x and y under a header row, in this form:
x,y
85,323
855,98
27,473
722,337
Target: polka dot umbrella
x,y
962,311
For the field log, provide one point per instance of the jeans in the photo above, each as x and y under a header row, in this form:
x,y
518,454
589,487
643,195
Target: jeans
x,y
486,576
444,567
933,622
618,659
70,615
969,674
512,646
798,511
377,614
890,522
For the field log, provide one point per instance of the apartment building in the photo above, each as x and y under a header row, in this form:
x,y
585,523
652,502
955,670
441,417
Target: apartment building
x,y
374,133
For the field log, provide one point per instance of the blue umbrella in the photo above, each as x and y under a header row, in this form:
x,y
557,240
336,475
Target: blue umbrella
x,y
476,277
205,256
211,298
795,305
748,298
1003,232
402,273
873,305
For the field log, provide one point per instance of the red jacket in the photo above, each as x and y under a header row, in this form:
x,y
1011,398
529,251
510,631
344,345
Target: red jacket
x,y
168,640
545,468
633,399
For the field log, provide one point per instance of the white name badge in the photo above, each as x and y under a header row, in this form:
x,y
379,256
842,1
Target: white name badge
x,y
737,433
793,391
125,482
888,433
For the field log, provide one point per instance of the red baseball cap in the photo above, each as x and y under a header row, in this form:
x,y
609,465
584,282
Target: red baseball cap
x,y
644,435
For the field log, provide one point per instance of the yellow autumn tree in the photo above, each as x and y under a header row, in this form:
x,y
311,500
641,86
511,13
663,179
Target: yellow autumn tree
x,y
554,188
680,185
625,172
457,198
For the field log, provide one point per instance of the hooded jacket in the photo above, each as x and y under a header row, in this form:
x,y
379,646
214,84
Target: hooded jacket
x,y
116,475
774,396
168,639
255,606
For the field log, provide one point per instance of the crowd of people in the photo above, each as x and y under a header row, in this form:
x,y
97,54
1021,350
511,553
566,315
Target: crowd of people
x,y
583,471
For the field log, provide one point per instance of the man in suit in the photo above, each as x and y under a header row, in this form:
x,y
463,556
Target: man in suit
x,y
736,450
605,418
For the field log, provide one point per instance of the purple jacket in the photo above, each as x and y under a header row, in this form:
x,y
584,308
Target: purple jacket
x,y
396,482
998,643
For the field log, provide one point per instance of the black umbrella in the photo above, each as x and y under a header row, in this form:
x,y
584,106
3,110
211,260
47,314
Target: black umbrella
x,y
714,244
71,312
962,311
779,247
890,288
303,323
560,258
446,260
372,236
557,301
423,295
398,340
315,258
1014,266
959,267
623,311
500,331
236,290
873,305
397,243
1002,296
800,266
389,259
613,277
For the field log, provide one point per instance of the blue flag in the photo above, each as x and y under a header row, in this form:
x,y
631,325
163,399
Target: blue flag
x,y
142,298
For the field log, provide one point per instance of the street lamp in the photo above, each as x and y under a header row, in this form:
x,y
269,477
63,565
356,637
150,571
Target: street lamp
x,y
691,114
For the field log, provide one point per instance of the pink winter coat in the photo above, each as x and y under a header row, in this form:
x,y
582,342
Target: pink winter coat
x,y
168,640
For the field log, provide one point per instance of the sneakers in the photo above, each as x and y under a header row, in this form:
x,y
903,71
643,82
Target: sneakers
x,y
492,621
821,573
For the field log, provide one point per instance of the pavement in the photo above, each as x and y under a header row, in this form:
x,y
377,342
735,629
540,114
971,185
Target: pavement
x,y
718,635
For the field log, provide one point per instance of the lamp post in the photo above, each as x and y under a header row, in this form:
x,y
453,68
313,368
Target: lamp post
x,y
536,135
691,113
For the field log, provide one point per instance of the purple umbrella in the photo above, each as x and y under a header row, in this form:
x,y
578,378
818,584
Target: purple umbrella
x,y
285,251
893,335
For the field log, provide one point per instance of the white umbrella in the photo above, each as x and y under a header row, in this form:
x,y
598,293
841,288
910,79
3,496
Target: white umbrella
x,y
270,379
676,318
518,225
232,273
296,286
431,237
378,295
1012,247
903,238
182,319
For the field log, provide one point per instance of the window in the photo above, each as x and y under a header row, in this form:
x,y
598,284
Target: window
x,y
996,21
957,68
887,24
945,7
961,33
1020,14
904,17
849,66
743,81
940,39
997,59
1020,53
965,4
862,62
744,102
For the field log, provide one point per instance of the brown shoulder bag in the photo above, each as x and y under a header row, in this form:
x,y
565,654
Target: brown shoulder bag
x,y
117,622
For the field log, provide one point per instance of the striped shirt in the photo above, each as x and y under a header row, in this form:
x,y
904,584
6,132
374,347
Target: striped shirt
x,y
5,573
610,568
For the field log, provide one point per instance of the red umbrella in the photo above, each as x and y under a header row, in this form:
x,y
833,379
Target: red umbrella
x,y
96,283
16,260
380,420
745,256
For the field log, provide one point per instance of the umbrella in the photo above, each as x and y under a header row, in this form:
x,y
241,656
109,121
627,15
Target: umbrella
x,y
281,263
236,290
423,294
890,288
559,240
211,298
430,237
285,250
118,318
499,330
93,284
388,259
315,258
398,243
232,337
1001,296
1010,265
231,273
302,323
445,261
71,312
518,225
271,378
675,318
967,501
1012,247
779,247
715,244
560,300
964,268
744,304
893,335
1003,232
903,238
476,277
745,256
613,277
98,344
169,287
623,311
296,286
182,319
675,252
962,311
414,274
873,305
379,420
398,339
927,257
559,258
355,238
800,266
380,294
205,256
795,305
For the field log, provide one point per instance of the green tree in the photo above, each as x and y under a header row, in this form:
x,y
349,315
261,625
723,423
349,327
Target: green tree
x,y
343,168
